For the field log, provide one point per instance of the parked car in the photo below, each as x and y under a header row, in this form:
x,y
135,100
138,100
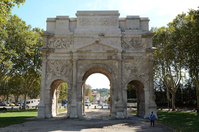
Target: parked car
x,y
3,104
11,104
18,104
87,104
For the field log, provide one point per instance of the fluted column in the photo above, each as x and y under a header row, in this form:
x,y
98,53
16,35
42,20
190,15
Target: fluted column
x,y
41,106
83,105
73,113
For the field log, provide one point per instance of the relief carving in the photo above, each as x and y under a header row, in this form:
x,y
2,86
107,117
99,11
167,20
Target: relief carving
x,y
103,21
61,43
97,47
58,68
135,67
130,42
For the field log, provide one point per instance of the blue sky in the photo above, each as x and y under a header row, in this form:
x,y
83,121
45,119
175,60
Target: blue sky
x,y
160,12
35,12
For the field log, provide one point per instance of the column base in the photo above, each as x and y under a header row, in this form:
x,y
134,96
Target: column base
x,y
41,112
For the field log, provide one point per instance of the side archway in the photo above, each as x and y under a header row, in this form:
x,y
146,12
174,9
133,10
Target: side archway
x,y
52,95
142,92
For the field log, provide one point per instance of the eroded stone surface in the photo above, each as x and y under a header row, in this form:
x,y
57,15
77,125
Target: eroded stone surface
x,y
97,42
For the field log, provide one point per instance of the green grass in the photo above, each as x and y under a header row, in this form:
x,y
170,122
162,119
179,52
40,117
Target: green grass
x,y
15,116
60,111
134,112
180,121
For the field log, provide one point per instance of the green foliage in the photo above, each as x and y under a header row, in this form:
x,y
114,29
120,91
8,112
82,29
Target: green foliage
x,y
63,87
178,50
20,52
88,92
91,99
131,91
5,13
108,99
180,121
16,116
102,91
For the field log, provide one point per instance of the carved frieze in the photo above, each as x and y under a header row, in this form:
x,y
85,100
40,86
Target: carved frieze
x,y
98,21
61,43
58,68
135,67
97,47
109,42
132,42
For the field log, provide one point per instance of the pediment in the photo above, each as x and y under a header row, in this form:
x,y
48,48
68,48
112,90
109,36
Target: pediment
x,y
97,47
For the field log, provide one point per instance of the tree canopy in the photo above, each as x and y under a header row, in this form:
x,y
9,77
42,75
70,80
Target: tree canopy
x,y
177,51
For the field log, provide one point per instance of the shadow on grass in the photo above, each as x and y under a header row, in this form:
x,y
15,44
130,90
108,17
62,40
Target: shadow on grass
x,y
15,116
180,121
6,121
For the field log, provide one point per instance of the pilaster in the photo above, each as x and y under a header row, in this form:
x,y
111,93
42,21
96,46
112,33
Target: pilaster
x,y
73,113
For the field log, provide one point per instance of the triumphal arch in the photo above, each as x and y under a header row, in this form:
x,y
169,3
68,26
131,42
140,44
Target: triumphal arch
x,y
97,42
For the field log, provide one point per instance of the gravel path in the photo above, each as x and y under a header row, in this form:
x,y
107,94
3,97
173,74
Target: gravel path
x,y
99,122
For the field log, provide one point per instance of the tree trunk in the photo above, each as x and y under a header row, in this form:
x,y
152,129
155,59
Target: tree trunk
x,y
173,101
24,104
16,98
197,102
7,98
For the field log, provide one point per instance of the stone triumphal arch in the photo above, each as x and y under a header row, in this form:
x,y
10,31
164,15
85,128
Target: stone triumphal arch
x,y
97,42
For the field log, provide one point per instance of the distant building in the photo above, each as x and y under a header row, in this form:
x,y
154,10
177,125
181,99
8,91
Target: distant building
x,y
87,99
96,95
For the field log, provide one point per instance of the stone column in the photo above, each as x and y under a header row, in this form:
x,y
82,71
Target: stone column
x,y
83,105
57,98
73,113
125,101
152,105
44,50
48,103
147,102
113,99
79,100
119,105
53,109
69,100
41,106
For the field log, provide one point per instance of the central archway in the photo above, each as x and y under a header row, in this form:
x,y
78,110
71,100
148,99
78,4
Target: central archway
x,y
93,71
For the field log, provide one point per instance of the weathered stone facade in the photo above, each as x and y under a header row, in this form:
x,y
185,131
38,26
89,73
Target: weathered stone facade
x,y
97,42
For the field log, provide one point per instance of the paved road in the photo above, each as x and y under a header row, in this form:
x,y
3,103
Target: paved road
x,y
96,123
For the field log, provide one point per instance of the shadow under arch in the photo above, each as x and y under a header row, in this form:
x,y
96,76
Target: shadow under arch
x,y
53,94
91,71
141,87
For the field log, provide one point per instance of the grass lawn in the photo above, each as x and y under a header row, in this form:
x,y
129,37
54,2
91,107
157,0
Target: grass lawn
x,y
180,121
60,111
15,116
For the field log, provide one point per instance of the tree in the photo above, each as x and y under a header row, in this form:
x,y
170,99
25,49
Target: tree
x,y
14,84
168,61
190,41
63,91
25,42
5,13
88,92
5,90
131,91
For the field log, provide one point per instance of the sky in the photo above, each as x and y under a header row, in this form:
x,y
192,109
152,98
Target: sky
x,y
160,13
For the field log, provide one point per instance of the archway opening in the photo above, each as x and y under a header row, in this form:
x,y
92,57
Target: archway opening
x,y
59,98
97,93
136,98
